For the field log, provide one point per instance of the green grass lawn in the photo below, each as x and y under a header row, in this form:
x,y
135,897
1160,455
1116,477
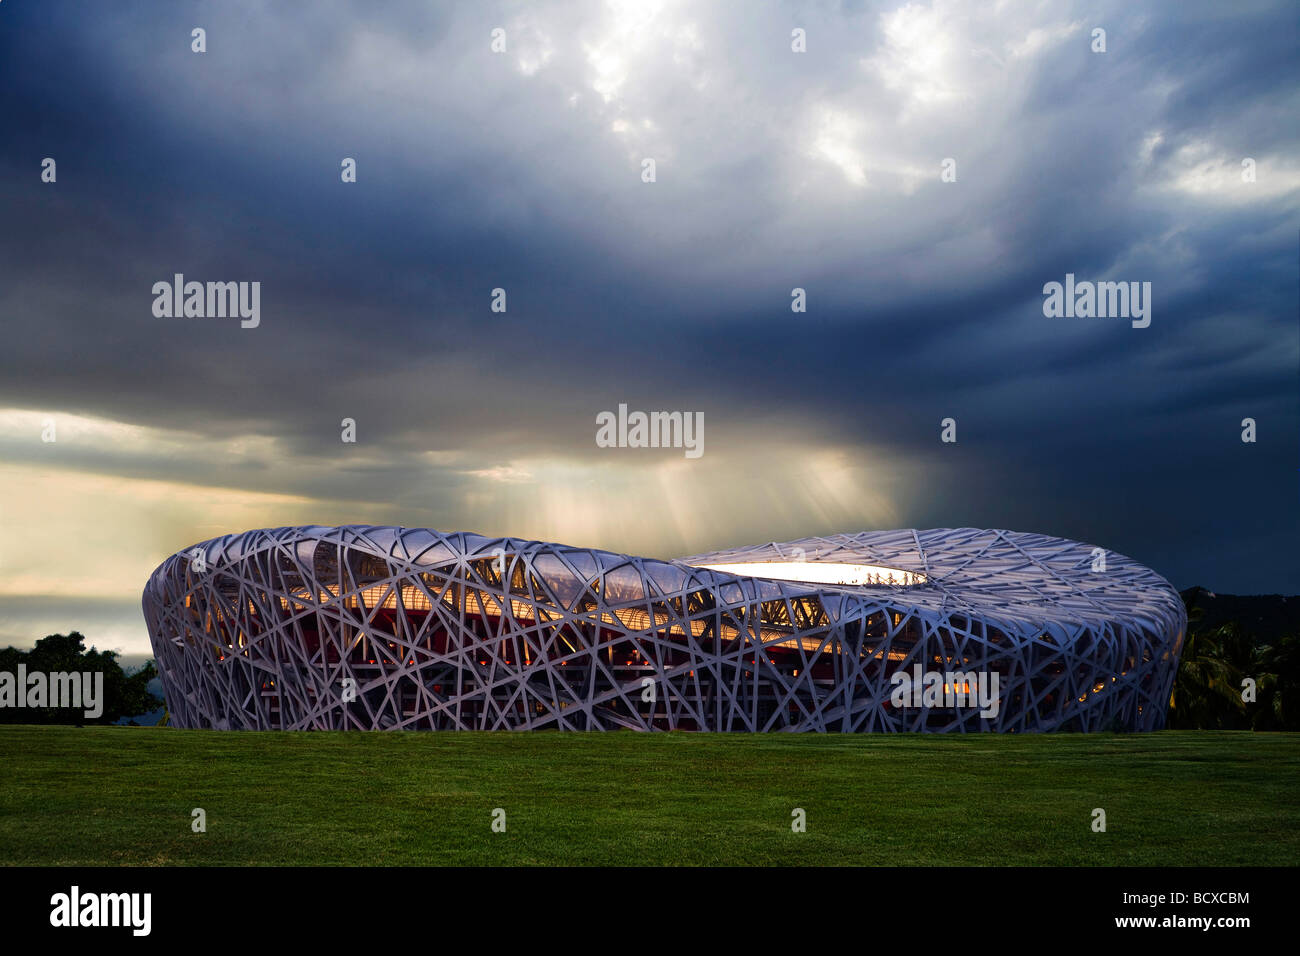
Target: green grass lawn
x,y
124,796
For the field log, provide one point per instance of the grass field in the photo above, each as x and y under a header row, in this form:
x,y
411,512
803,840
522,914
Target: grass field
x,y
124,796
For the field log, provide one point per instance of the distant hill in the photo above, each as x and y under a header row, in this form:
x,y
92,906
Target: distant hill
x,y
1265,617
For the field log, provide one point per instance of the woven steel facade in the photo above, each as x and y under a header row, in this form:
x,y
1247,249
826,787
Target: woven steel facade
x,y
399,628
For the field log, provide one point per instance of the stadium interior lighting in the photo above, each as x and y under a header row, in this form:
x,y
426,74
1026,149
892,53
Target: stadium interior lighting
x,y
821,572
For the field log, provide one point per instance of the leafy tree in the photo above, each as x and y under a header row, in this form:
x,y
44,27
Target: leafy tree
x,y
125,695
1214,664
1207,687
1277,676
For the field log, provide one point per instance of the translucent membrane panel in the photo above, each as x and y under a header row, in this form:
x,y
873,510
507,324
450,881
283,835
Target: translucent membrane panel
x,y
821,572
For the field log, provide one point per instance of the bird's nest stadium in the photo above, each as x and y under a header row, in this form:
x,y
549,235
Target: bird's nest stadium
x,y
946,630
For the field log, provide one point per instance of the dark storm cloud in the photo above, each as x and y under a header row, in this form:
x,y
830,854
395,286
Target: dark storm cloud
x,y
775,170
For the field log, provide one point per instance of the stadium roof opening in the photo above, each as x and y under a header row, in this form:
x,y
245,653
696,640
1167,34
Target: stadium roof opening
x,y
821,572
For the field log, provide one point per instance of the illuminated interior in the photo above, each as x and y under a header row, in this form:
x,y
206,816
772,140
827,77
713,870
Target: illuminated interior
x,y
495,634
821,572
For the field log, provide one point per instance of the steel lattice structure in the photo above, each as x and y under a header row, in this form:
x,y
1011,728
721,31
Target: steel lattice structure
x,y
395,628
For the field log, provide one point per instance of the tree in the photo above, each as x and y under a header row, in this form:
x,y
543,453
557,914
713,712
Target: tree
x,y
1207,687
1278,706
125,695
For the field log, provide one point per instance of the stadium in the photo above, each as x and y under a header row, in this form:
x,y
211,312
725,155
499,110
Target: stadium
x,y
944,630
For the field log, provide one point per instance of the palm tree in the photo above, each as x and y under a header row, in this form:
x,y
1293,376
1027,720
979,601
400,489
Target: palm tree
x,y
1207,688
1278,686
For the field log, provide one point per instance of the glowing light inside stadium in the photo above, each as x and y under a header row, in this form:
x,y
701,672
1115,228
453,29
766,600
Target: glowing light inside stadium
x,y
456,631
821,572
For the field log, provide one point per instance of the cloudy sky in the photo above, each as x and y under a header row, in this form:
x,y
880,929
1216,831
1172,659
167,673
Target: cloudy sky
x,y
523,170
